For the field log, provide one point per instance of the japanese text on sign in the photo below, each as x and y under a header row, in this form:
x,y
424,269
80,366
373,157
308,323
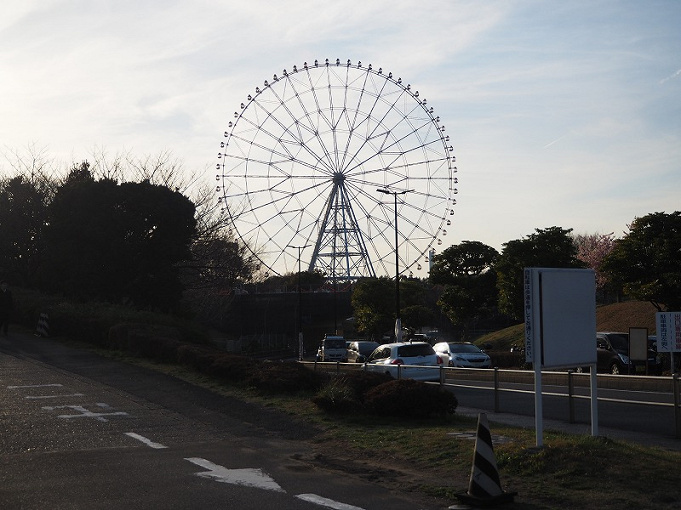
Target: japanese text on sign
x,y
668,331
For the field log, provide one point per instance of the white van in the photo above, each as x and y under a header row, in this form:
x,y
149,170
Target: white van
x,y
332,348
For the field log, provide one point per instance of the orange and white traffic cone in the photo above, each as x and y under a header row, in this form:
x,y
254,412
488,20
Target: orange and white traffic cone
x,y
484,488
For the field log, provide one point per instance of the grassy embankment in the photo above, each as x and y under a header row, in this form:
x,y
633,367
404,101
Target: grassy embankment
x,y
615,317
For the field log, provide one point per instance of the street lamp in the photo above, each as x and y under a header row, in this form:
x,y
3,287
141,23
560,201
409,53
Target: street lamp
x,y
301,346
398,321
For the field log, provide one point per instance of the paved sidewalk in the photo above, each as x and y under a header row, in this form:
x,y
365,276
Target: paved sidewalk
x,y
527,422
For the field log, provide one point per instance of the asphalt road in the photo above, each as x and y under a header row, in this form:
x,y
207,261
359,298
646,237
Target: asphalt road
x,y
81,431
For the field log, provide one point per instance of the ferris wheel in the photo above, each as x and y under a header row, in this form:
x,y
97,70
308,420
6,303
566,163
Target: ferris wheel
x,y
340,168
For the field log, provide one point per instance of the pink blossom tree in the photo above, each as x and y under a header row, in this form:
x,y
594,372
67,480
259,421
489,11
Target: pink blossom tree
x,y
592,249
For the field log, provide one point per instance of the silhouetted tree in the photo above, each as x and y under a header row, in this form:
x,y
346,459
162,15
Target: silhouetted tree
x,y
373,303
647,260
23,214
549,247
466,271
118,242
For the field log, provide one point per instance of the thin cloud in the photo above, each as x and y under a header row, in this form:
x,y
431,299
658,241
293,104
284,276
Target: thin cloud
x,y
671,77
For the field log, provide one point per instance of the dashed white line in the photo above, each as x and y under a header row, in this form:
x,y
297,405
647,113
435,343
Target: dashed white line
x,y
328,503
40,397
35,386
146,441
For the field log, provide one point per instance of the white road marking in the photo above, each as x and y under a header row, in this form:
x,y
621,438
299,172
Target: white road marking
x,y
328,503
146,441
35,386
248,477
39,397
85,413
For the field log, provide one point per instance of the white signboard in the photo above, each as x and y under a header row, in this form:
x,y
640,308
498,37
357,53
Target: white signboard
x,y
560,317
560,328
668,331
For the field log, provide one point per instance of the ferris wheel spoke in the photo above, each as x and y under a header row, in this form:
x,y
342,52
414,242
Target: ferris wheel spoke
x,y
398,154
258,125
272,202
295,139
379,122
314,126
322,118
288,156
395,155
351,122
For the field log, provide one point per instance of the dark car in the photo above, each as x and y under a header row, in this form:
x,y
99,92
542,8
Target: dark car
x,y
662,359
612,355
359,351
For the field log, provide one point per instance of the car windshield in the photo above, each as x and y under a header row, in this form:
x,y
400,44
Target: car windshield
x,y
414,350
465,348
619,342
367,347
334,343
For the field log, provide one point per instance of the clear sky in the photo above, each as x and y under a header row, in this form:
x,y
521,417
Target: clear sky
x,y
563,113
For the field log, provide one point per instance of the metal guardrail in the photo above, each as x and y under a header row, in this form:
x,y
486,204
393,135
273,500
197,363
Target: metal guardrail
x,y
495,377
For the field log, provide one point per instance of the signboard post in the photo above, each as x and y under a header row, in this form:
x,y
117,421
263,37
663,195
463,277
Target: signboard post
x,y
560,328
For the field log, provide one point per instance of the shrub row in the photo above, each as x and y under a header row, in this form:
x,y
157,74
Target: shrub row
x,y
381,395
162,344
167,340
507,359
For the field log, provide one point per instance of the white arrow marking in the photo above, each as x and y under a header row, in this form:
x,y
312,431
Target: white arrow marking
x,y
328,503
248,477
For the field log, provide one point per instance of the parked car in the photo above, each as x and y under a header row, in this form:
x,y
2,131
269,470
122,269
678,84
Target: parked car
x,y
359,351
332,348
432,336
409,360
612,353
418,337
662,359
462,354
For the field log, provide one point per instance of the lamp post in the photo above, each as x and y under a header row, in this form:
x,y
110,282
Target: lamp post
x,y
398,321
301,345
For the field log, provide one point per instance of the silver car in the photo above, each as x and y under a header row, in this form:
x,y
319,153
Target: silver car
x,y
408,360
358,351
462,354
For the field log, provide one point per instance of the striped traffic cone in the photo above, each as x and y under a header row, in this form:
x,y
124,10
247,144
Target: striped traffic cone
x,y
43,328
484,488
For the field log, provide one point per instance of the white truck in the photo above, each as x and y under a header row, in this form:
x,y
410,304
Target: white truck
x,y
332,348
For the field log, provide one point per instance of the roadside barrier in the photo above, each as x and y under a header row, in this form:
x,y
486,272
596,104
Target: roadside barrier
x,y
43,328
484,488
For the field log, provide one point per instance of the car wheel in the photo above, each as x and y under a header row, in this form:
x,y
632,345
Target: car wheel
x,y
581,370
615,369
